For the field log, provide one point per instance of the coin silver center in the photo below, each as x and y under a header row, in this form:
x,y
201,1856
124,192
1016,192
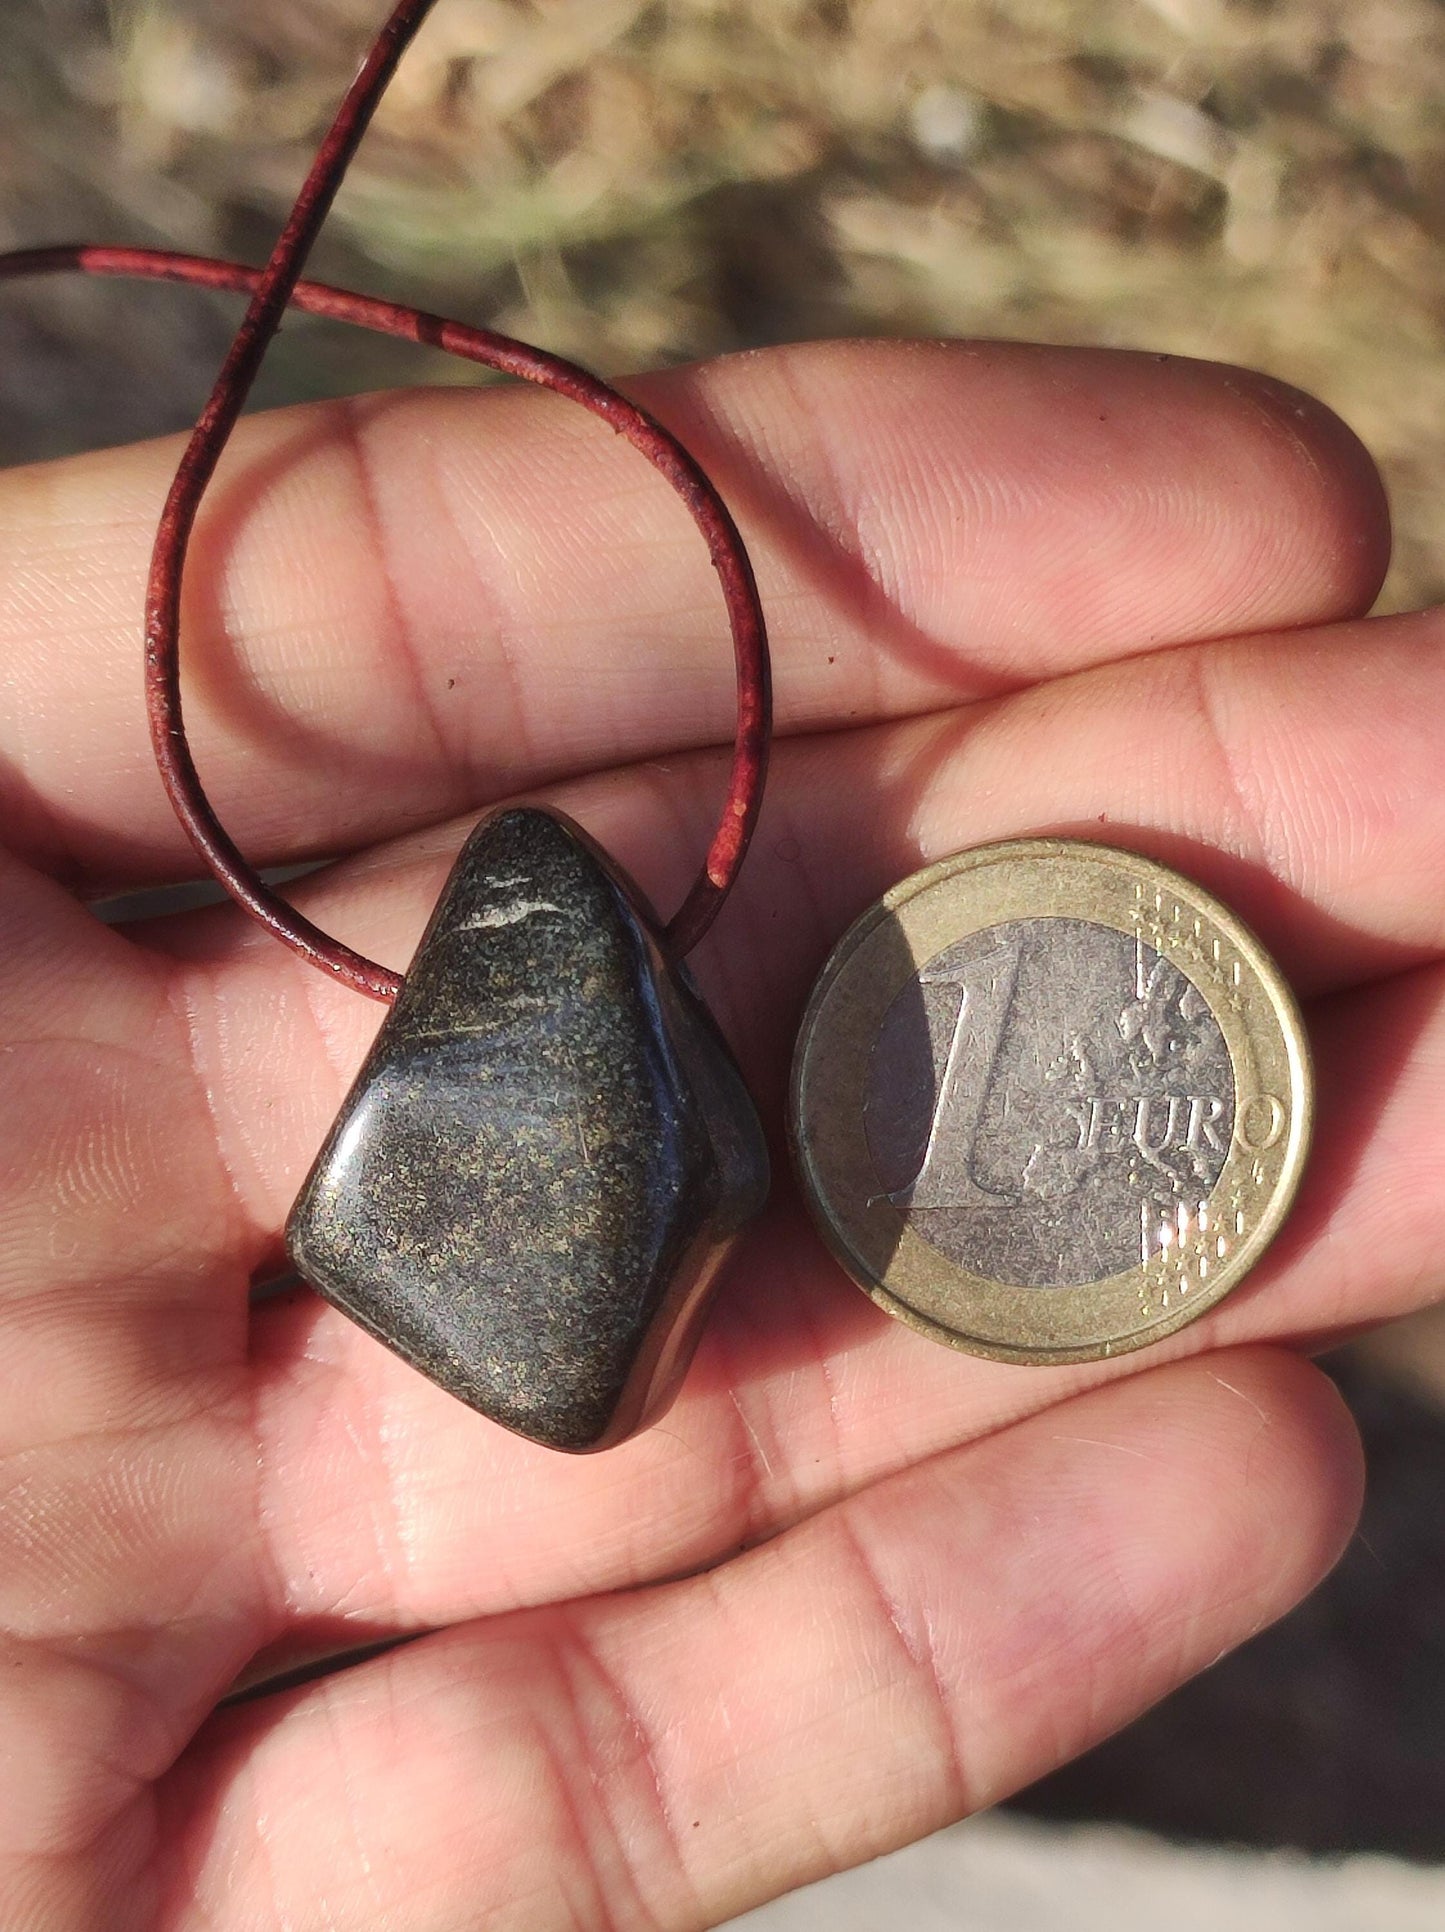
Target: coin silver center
x,y
1050,1102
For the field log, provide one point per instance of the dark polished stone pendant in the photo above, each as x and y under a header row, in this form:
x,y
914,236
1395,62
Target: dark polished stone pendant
x,y
545,1156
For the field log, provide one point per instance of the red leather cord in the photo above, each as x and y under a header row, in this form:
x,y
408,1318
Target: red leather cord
x,y
272,290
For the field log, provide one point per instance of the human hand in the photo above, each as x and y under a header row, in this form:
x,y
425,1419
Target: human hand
x,y
853,1585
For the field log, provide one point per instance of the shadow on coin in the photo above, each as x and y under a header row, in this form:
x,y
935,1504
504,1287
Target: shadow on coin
x,y
1325,1733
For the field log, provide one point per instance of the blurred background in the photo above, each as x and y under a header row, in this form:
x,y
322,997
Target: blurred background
x,y
636,182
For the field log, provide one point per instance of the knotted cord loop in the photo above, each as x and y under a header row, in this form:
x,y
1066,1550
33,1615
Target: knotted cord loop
x,y
272,290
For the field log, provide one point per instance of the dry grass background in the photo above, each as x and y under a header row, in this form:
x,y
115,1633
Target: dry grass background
x,y
639,181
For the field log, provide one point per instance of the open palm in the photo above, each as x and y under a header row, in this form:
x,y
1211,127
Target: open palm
x,y
854,1584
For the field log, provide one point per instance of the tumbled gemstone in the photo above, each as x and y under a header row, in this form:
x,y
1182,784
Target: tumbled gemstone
x,y
547,1153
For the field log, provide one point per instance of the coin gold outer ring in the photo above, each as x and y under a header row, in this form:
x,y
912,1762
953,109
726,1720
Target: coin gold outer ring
x,y
1030,879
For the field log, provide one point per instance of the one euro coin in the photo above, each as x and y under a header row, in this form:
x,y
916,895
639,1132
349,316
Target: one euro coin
x,y
1050,1101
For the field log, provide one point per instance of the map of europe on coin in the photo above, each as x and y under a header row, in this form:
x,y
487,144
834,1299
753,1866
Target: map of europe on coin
x,y
1052,1101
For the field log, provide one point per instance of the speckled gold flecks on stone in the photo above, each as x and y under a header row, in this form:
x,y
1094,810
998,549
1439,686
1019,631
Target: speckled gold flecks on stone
x,y
546,1155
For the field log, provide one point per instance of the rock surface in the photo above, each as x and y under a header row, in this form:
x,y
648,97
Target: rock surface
x,y
546,1154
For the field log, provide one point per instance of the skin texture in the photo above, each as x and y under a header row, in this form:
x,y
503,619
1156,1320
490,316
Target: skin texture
x,y
854,1585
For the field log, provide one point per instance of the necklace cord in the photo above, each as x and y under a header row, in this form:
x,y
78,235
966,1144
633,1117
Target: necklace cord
x,y
272,290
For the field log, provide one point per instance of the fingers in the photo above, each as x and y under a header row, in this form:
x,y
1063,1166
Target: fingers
x,y
131,1587
1362,1244
673,1756
110,1185
802,1393
122,1334
1295,776
401,608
